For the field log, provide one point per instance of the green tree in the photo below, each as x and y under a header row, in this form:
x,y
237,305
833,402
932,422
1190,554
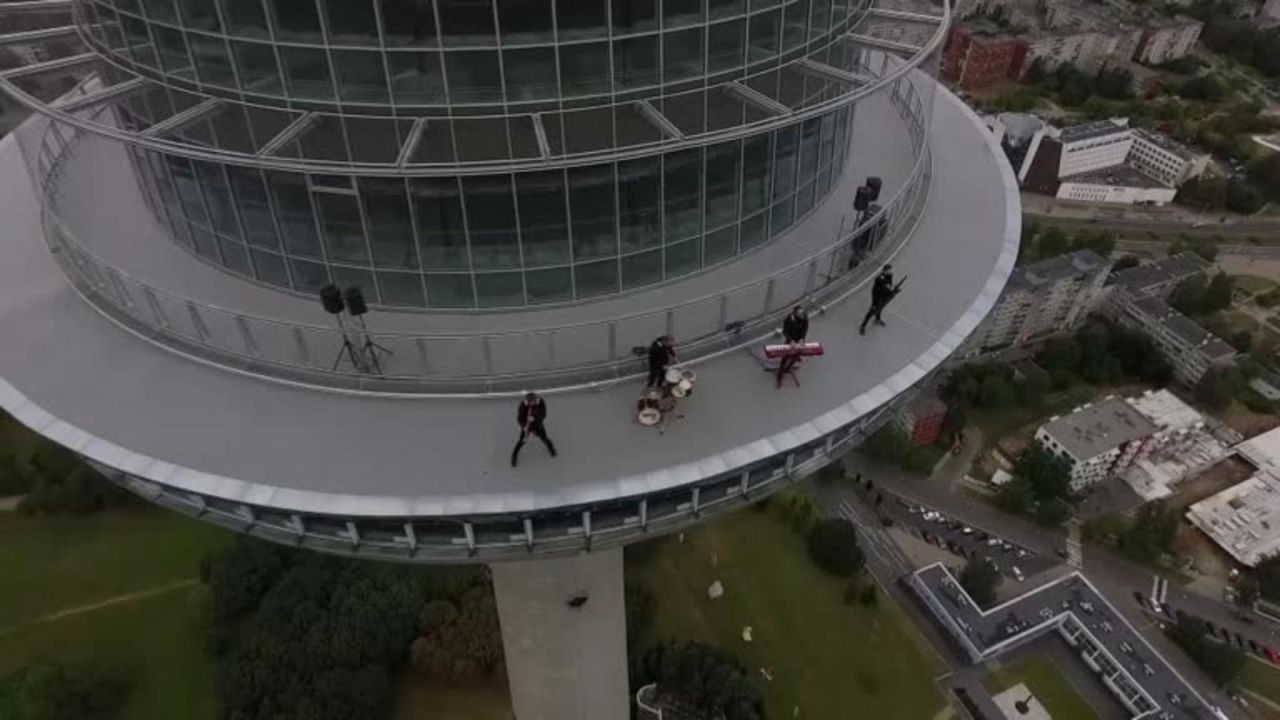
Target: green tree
x,y
996,392
1265,173
1205,192
1216,389
1189,297
1034,384
833,546
66,692
888,445
706,677
1150,536
980,579
1115,83
1247,590
1061,353
1124,262
1267,573
1220,661
1053,242
1217,295
1242,197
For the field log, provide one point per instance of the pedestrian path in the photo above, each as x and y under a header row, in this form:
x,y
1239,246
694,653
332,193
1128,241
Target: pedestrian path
x,y
1075,553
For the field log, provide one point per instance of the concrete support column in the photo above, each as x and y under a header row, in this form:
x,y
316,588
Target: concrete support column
x,y
566,657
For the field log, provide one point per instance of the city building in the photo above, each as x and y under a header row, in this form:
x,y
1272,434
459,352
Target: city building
x,y
1160,278
1167,160
1117,184
1099,440
1244,519
1183,445
1094,146
1070,609
977,56
523,194
1189,348
922,419
1270,9
1043,298
1167,39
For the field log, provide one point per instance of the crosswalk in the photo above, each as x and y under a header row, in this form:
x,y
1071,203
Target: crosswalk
x,y
1075,553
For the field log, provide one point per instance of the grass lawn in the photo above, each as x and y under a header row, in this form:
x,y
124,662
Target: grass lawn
x,y
1253,283
830,659
1048,685
50,564
1261,678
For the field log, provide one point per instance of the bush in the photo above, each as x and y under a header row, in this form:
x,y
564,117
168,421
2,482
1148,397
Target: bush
x,y
833,545
869,596
980,579
58,481
65,692
706,677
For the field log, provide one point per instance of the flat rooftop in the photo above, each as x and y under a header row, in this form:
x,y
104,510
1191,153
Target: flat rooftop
x,y
1143,279
1061,267
85,382
1096,428
1116,176
1244,519
1090,130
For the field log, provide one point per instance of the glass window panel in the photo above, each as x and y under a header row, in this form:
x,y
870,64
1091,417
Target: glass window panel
x,y
676,13
343,234
530,73
753,231
184,181
473,76
416,78
408,22
442,234
218,198
641,269
581,18
720,245
491,221
351,22
681,55
762,4
375,139
633,16
640,203
635,61
525,21
550,285
725,43
231,130
199,15
466,22
161,10
324,141
296,20
682,258
401,289
764,36
809,133
804,199
361,76
140,46
782,216
269,267
251,200
451,290
308,277
756,155
784,161
307,72
234,256
212,60
725,8
795,24
390,225
346,277
173,52
722,184
597,278
257,65
591,209
584,68
819,18
500,289
293,211
204,242
245,17
544,231
682,180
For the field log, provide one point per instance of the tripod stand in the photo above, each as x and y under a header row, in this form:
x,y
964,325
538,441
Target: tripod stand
x,y
371,349
348,350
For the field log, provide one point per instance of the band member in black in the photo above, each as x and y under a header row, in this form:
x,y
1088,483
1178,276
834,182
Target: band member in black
x,y
882,291
795,327
531,416
662,352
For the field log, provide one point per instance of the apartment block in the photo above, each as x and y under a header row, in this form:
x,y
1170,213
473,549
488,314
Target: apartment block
x,y
1189,348
1165,159
1098,440
976,57
1168,40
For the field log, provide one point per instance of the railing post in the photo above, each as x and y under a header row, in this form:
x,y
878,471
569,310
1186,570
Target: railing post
x,y
671,322
768,295
202,332
422,355
551,349
300,341
154,304
247,336
613,341
488,354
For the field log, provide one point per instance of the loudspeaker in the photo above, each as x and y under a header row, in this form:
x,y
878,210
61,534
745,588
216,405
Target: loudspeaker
x,y
873,187
331,299
861,199
355,301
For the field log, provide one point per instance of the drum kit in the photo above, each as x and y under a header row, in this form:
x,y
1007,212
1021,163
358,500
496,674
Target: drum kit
x,y
656,405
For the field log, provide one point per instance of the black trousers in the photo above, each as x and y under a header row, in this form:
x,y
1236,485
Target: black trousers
x,y
541,432
657,374
873,312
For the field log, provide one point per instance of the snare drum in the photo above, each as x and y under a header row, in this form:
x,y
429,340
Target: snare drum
x,y
673,376
680,389
649,417
688,376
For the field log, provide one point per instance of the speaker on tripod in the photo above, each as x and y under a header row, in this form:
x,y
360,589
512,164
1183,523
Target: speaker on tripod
x,y
370,350
331,300
873,188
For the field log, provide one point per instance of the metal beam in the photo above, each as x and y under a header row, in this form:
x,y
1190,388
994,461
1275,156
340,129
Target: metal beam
x,y
823,70
540,132
291,131
411,143
49,66
659,120
175,123
101,95
757,98
904,15
884,44
37,6
34,37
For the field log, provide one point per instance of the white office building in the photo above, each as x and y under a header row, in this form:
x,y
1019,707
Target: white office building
x,y
1094,146
1165,159
1099,439
1183,445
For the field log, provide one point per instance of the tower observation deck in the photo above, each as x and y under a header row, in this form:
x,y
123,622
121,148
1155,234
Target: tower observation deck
x,y
526,191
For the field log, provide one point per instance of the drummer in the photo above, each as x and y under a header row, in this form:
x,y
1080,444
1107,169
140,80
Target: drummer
x,y
662,352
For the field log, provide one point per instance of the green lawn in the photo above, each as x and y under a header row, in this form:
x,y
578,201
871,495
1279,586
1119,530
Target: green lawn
x,y
51,564
830,659
1262,678
1253,283
1047,684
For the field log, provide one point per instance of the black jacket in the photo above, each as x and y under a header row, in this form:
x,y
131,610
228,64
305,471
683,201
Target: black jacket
x,y
538,409
882,288
660,354
795,327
